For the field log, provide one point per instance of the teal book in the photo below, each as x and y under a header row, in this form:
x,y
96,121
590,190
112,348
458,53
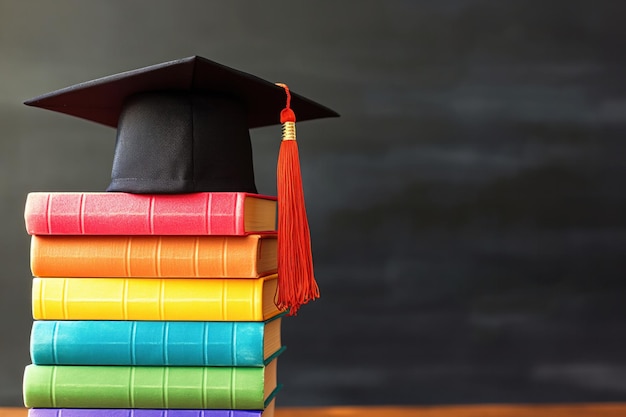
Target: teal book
x,y
155,343
150,387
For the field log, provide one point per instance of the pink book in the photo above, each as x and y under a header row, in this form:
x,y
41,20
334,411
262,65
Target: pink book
x,y
112,213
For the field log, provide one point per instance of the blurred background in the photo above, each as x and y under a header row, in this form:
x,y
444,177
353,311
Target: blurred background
x,y
468,210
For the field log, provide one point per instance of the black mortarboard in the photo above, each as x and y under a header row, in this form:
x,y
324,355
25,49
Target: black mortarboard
x,y
182,126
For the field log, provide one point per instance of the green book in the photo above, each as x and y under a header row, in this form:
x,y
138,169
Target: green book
x,y
243,388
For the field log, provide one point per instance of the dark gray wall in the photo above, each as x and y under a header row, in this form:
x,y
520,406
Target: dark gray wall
x,y
468,210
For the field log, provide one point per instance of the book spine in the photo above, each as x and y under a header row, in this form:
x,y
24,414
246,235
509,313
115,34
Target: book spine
x,y
136,214
149,299
147,343
128,412
147,256
143,387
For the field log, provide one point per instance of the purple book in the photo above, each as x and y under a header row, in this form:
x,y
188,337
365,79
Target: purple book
x,y
127,412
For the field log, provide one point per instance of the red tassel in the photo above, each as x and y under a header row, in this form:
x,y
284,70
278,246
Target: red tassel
x,y
296,283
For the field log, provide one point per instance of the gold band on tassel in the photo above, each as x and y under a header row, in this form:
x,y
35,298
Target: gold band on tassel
x,y
289,131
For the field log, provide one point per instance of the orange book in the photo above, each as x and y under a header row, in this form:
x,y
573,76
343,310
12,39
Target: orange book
x,y
250,256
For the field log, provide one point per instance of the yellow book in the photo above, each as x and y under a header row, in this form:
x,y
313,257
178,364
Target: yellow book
x,y
178,299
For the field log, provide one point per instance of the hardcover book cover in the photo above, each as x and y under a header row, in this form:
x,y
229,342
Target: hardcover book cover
x,y
138,412
179,299
155,343
102,213
154,256
150,387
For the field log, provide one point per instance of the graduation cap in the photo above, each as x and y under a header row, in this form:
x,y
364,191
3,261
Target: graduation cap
x,y
183,126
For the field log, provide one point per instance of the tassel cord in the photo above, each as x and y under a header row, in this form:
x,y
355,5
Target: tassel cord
x,y
296,283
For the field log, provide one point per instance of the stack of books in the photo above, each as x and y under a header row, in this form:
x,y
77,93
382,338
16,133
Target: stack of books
x,y
153,305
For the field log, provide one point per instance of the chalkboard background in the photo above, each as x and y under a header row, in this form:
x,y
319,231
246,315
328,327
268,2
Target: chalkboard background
x,y
468,210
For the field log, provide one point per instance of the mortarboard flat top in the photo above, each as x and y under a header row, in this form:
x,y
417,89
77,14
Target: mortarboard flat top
x,y
182,126
101,100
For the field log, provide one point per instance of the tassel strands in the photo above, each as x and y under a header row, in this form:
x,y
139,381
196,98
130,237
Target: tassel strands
x,y
296,282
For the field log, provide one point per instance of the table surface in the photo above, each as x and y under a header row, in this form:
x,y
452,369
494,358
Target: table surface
x,y
556,410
